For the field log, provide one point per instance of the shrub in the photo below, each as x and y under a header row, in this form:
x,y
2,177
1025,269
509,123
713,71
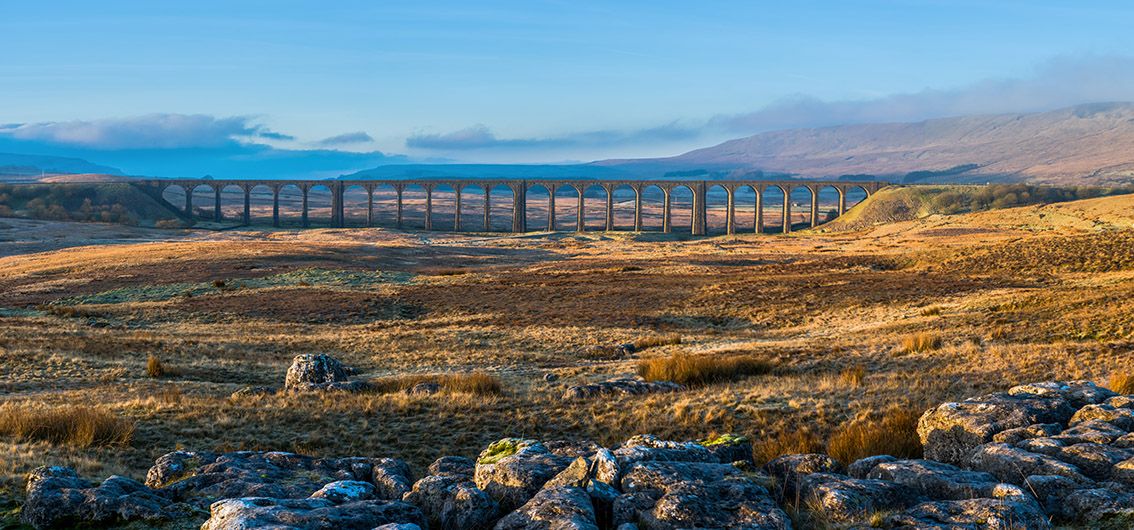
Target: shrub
x,y
1121,382
786,443
853,376
895,434
76,426
921,342
478,383
154,367
695,370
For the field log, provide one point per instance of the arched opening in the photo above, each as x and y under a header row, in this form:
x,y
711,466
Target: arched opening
x,y
855,195
174,194
716,209
472,208
800,207
355,203
744,202
232,203
566,207
203,197
653,204
500,217
413,207
681,209
594,209
444,207
537,207
385,206
625,199
261,204
773,207
319,205
828,203
291,205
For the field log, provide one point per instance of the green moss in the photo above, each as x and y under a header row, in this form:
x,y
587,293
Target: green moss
x,y
724,439
501,449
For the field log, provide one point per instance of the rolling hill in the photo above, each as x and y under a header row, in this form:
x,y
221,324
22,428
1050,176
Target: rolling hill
x,y
1085,144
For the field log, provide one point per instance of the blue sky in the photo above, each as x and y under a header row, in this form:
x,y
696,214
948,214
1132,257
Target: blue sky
x,y
528,81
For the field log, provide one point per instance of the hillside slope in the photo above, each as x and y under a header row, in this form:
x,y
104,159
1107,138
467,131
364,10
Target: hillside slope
x,y
111,202
1086,144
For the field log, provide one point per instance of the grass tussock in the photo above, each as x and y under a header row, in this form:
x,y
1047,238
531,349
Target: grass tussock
x,y
894,434
154,367
1121,382
852,377
789,442
694,370
920,342
654,341
74,426
476,383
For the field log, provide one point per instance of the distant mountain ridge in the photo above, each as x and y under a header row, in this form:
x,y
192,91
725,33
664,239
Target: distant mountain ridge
x,y
1085,144
17,165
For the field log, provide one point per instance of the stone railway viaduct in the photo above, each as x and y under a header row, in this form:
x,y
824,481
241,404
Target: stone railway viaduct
x,y
519,190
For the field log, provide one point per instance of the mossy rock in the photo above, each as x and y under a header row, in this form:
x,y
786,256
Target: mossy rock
x,y
724,439
501,449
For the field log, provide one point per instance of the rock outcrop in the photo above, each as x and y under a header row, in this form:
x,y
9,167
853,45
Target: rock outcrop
x,y
316,371
619,386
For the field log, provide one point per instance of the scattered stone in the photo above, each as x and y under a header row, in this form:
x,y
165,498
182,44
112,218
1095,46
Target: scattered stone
x,y
313,369
1077,393
951,432
862,468
560,508
57,497
550,377
308,514
249,391
624,386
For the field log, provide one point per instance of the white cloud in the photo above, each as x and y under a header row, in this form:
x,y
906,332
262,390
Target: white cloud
x,y
152,131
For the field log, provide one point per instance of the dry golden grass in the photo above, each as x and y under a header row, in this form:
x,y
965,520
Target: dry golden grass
x,y
796,441
920,342
1121,382
653,341
154,367
894,434
852,377
476,383
74,426
693,370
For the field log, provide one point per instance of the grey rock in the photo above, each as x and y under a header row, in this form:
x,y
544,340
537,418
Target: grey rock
x,y
1099,508
1077,393
1051,491
936,480
204,477
659,477
308,514
560,508
627,506
314,372
577,474
457,465
1043,446
1013,465
254,391
734,502
1006,514
513,479
645,448
550,377
425,388
1122,418
862,468
606,467
398,526
58,497
453,502
1121,402
951,432
789,470
1019,434
391,478
345,491
624,386
844,499
1096,461
572,448
1092,431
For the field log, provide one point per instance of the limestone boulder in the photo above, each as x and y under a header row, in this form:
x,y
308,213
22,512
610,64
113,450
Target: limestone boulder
x,y
1123,418
733,502
840,498
343,491
559,508
646,447
314,371
935,480
789,470
308,514
1019,434
862,468
451,501
456,465
951,432
631,387
56,497
1095,461
391,478
1099,508
1014,465
1091,431
512,470
1006,514
660,477
1077,393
